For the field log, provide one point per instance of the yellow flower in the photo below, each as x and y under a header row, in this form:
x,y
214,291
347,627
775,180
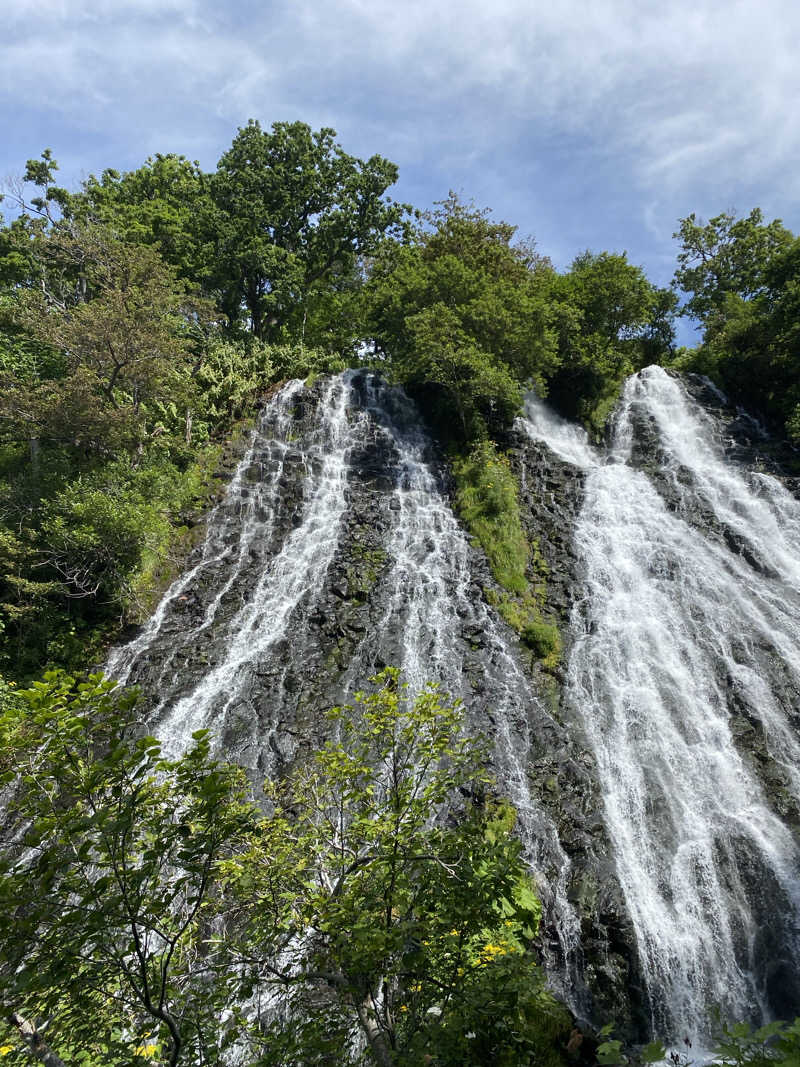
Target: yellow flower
x,y
404,1007
5,1049
145,1050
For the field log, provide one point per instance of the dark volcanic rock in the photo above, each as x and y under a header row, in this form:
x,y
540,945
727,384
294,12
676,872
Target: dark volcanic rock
x,y
551,494
336,553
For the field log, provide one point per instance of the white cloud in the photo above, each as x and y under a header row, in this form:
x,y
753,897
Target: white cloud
x,y
687,97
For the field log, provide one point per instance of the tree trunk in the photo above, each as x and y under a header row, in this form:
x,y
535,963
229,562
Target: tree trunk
x,y
36,447
33,1039
376,1038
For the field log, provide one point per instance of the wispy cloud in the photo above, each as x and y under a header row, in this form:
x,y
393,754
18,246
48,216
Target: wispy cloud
x,y
651,108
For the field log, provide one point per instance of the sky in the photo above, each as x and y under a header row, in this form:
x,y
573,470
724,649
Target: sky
x,y
587,123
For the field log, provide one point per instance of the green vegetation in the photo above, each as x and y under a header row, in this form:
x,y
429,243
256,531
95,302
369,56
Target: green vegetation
x,y
467,319
777,1044
145,314
459,314
610,322
743,281
140,319
487,500
121,847
164,902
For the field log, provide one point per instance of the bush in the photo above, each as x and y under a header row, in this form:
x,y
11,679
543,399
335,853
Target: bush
x,y
486,499
297,361
542,638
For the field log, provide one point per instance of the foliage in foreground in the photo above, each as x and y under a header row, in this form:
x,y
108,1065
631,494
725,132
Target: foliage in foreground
x,y
776,1044
382,905
107,878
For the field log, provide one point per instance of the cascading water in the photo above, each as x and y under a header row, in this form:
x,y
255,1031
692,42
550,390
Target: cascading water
x,y
246,507
429,591
230,645
683,648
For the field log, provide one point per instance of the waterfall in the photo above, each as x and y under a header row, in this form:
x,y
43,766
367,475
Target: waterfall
x,y
429,590
683,659
229,646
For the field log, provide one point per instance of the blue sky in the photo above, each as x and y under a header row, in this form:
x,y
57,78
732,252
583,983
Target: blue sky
x,y
587,123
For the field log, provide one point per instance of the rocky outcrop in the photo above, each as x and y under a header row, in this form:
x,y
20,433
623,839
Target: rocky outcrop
x,y
707,496
335,552
551,496
674,562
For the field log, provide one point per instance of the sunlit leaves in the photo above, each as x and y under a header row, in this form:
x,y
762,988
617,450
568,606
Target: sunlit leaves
x,y
389,885
111,853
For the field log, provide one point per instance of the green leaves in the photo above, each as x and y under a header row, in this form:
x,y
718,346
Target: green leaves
x,y
743,277
460,315
726,255
654,1052
375,883
112,853
290,209
609,321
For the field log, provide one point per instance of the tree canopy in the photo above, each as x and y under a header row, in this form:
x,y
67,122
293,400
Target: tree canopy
x,y
464,309
460,316
144,313
742,276
146,903
289,210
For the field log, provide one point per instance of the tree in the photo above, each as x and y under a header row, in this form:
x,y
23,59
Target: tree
x,y
610,321
159,203
148,910
724,256
743,277
113,378
460,317
385,896
108,876
291,210
114,308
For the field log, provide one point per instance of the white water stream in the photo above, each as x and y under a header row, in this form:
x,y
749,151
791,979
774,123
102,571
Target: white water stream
x,y
429,587
425,594
291,576
680,627
686,628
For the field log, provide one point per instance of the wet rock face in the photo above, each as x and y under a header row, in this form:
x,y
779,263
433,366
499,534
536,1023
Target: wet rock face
x,y
680,590
335,553
744,439
708,497
740,439
550,495
551,492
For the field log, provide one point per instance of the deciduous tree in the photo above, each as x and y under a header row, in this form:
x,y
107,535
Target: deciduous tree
x,y
387,894
460,316
291,209
107,873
